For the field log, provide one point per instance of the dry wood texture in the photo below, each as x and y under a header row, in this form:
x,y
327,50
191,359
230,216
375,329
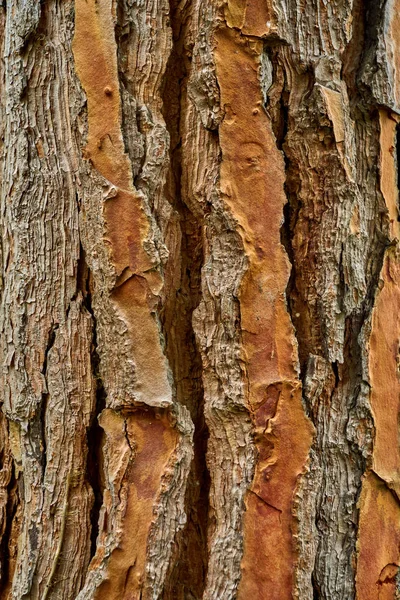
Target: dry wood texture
x,y
200,300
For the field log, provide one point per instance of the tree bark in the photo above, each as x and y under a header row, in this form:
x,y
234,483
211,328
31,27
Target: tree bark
x,y
200,300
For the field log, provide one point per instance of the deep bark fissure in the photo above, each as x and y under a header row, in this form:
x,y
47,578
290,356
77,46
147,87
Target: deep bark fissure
x,y
343,386
373,20
42,419
11,509
50,343
45,399
95,455
188,566
397,150
280,124
315,588
95,434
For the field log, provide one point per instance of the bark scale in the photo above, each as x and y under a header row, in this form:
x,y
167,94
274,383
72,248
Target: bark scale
x,y
199,300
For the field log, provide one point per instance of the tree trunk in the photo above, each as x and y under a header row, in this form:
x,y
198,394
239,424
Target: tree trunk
x,y
200,300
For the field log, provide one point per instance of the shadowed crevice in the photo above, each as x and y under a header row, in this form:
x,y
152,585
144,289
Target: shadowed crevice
x,y
398,168
337,407
7,545
188,567
95,435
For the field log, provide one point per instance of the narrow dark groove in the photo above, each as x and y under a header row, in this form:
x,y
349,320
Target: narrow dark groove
x,y
335,369
398,168
94,433
41,421
50,343
43,411
279,115
290,212
94,463
10,511
188,568
374,15
315,588
347,380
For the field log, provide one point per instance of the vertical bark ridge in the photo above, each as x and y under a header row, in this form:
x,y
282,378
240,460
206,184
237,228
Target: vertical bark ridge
x,y
42,314
216,321
252,166
331,314
147,434
379,563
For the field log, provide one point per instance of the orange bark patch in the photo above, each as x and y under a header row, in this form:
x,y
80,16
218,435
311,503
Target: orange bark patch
x,y
283,442
134,300
260,18
253,17
252,179
389,188
385,372
154,443
378,542
127,226
379,527
96,64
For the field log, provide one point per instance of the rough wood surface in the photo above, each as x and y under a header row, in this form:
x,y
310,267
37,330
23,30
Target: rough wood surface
x,y
199,300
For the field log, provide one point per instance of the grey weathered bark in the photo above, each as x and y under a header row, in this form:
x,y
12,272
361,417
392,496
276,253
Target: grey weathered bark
x,y
199,300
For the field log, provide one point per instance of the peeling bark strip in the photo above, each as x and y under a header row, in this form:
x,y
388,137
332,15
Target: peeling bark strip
x,y
199,300
147,448
379,562
138,282
251,181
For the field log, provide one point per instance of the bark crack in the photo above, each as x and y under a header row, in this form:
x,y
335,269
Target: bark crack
x,y
188,567
95,434
265,501
337,386
45,398
7,543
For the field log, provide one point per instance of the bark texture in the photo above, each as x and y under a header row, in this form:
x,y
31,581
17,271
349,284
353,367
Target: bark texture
x,y
200,300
